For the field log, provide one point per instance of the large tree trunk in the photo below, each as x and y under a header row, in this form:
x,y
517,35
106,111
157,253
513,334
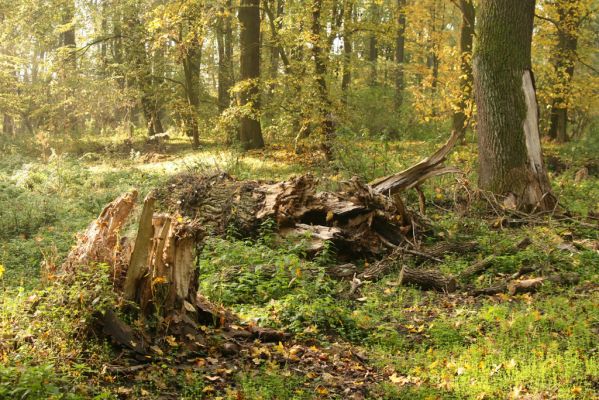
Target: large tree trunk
x,y
224,37
373,45
564,60
348,8
510,159
191,69
466,78
320,69
400,53
250,132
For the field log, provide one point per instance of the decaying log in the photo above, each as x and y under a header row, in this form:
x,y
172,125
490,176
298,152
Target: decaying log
x,y
382,267
427,280
121,333
447,247
418,173
394,260
482,265
358,221
534,284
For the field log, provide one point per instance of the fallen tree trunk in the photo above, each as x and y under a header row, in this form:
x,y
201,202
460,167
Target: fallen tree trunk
x,y
427,279
358,221
157,270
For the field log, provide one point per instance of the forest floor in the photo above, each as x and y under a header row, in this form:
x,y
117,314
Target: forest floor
x,y
392,342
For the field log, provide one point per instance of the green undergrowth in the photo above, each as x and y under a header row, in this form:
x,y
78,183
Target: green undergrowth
x,y
430,345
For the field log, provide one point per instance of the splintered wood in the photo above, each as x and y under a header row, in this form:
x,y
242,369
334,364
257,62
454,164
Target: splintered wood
x,y
358,221
100,242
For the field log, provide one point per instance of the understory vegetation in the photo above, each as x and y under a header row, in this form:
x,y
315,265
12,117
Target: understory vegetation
x,y
426,345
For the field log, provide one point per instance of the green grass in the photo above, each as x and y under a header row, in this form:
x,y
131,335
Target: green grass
x,y
542,345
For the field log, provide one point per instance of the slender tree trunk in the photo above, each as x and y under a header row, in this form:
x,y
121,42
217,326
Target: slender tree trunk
x,y
224,37
320,69
347,48
191,69
250,132
373,45
510,159
569,19
8,125
400,54
466,78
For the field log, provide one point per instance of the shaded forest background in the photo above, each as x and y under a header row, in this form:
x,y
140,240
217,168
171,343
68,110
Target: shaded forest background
x,y
356,68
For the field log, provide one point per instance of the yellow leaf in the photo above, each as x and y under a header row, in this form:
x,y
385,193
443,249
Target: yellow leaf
x,y
321,390
159,280
2,269
330,216
171,341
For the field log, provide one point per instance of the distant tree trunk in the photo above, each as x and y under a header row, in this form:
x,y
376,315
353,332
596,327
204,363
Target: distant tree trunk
x,y
400,53
67,38
69,67
347,48
569,19
372,45
224,38
510,159
8,125
466,78
320,68
274,52
191,68
250,132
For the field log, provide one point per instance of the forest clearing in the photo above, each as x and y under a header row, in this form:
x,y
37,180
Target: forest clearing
x,y
336,199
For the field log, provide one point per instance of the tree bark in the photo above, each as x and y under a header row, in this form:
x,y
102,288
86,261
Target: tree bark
x,y
400,40
510,159
373,45
427,280
347,48
466,78
564,60
250,132
224,38
191,68
320,69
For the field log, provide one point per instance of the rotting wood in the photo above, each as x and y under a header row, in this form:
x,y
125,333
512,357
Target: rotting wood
x,y
534,284
99,243
482,265
139,258
427,279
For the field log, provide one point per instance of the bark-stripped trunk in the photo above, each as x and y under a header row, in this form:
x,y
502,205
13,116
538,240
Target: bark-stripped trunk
x,y
400,54
569,19
250,132
191,69
347,48
320,68
510,160
466,78
224,39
